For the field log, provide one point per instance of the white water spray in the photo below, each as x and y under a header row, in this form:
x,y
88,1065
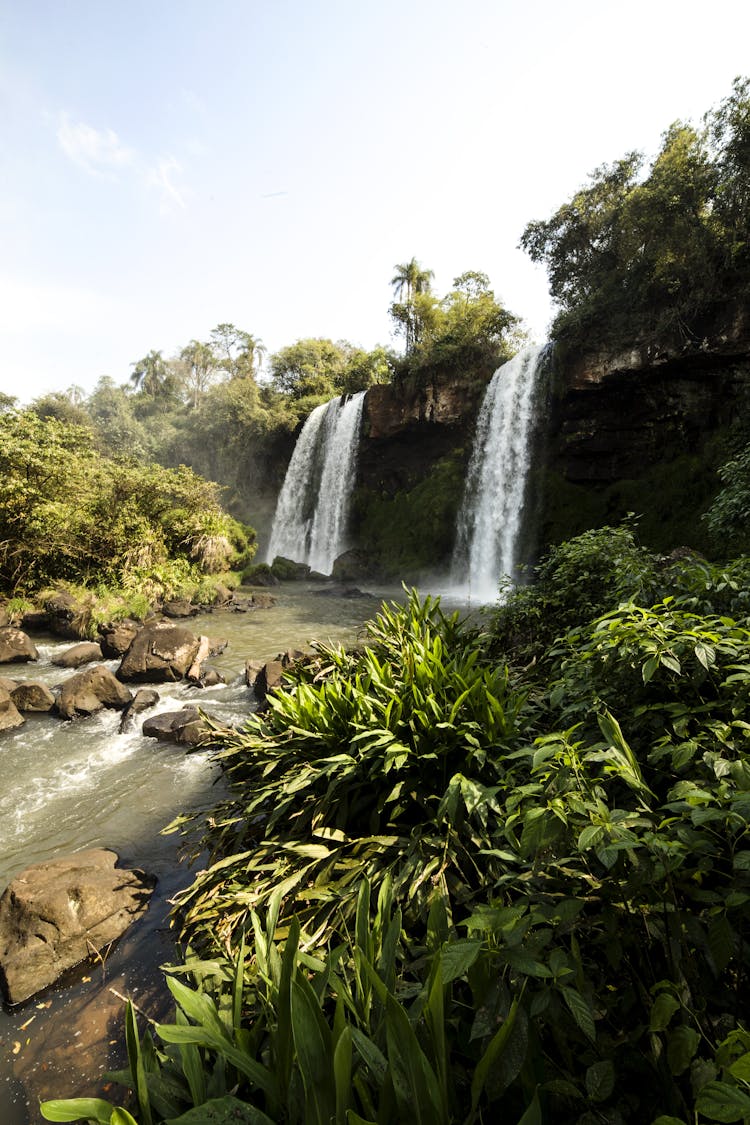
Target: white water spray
x,y
313,507
490,519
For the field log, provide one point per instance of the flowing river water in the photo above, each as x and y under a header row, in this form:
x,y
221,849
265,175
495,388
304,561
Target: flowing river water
x,y
71,785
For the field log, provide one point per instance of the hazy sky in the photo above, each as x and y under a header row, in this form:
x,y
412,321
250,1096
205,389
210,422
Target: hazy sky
x,y
170,164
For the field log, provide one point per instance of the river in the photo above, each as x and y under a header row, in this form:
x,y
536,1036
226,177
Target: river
x,y
71,785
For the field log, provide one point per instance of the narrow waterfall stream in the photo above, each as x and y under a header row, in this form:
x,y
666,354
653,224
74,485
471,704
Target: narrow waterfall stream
x,y
313,507
491,515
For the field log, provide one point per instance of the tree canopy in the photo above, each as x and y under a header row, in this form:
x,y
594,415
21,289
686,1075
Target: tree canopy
x,y
636,254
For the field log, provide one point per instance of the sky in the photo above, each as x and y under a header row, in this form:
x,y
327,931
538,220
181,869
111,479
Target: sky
x,y
167,165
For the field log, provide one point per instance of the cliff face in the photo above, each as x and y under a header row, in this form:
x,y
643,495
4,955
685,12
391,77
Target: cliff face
x,y
642,432
413,454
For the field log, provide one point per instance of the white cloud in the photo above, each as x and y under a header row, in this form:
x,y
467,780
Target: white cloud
x,y
160,176
95,150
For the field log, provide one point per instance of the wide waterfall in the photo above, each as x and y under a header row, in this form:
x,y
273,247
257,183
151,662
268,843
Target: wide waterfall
x,y
313,507
490,519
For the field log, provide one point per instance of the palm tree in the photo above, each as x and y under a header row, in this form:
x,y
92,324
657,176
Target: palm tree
x,y
150,373
413,279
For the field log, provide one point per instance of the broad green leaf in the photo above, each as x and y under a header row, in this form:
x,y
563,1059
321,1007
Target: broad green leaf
x,y
724,1103
580,1011
457,957
312,1040
533,1115
682,1044
740,1069
414,1082
600,1080
73,1109
122,1117
222,1111
137,1068
664,1007
489,1059
342,1074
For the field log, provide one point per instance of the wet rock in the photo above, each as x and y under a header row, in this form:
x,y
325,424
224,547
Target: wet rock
x,y
287,570
160,652
291,656
204,648
180,607
15,646
90,691
35,621
262,601
259,575
252,671
223,595
210,677
217,646
10,718
32,695
7,683
268,677
84,653
353,566
117,638
66,617
343,592
54,914
143,699
188,727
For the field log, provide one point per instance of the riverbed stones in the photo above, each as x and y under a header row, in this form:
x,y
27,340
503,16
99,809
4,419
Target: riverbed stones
x,y
117,638
90,691
32,695
16,646
84,653
160,652
180,607
143,700
188,727
55,914
10,717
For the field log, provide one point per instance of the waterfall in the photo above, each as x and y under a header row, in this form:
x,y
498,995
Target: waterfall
x,y
313,506
490,518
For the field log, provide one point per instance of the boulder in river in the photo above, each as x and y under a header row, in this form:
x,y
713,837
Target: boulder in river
x,y
160,652
32,695
188,726
10,718
90,691
117,637
55,914
83,653
15,646
143,699
180,607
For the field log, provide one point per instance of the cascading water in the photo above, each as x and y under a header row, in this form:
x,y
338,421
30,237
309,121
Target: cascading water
x,y
490,519
313,506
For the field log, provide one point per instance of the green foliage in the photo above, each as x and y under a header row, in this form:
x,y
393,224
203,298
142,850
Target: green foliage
x,y
413,532
445,892
314,370
636,258
67,514
369,762
728,517
465,329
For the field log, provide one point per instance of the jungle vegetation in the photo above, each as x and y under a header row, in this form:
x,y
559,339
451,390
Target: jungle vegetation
x,y
644,254
480,870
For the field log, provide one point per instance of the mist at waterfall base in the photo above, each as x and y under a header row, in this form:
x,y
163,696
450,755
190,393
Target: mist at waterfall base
x,y
312,511
491,516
